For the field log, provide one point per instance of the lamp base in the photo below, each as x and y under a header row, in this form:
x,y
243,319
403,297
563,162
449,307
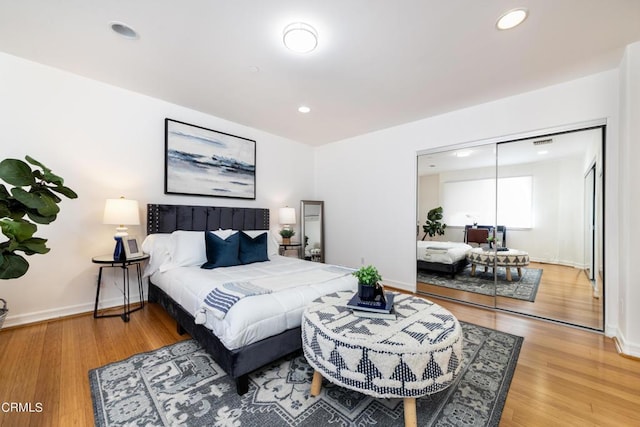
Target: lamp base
x,y
118,253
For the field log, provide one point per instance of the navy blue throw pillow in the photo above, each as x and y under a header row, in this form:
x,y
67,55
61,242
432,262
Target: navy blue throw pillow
x,y
221,253
253,249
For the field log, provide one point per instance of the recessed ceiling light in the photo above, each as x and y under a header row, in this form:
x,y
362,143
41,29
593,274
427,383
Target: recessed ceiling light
x,y
512,18
304,109
300,37
463,153
542,152
123,30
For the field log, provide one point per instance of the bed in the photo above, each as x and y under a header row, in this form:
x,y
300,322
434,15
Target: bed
x,y
443,257
257,329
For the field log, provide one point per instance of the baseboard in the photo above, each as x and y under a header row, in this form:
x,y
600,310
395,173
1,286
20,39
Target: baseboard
x,y
626,348
401,285
56,313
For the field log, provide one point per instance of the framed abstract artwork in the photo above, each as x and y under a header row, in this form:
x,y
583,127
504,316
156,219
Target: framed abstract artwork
x,y
204,162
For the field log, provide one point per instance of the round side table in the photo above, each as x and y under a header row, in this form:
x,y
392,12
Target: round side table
x,y
107,261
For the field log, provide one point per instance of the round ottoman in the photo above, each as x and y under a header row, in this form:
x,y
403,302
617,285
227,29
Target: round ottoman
x,y
507,259
418,353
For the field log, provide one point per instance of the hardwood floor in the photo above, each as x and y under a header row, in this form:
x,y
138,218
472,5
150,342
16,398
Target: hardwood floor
x,y
565,376
564,294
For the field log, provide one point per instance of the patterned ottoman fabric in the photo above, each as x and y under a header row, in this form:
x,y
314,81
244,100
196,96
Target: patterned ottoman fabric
x,y
510,258
419,353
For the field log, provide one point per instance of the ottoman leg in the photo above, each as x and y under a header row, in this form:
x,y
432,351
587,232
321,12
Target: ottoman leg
x,y
509,278
473,269
410,417
520,272
316,383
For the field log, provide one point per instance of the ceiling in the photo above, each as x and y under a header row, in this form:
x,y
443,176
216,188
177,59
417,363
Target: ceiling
x,y
577,144
378,64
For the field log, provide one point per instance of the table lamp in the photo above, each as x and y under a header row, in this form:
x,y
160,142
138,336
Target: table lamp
x,y
121,212
287,218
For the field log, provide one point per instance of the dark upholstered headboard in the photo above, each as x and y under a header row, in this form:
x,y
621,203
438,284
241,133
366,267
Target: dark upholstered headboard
x,y
168,218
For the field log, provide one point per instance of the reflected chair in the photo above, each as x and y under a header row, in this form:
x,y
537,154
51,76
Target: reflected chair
x,y
477,235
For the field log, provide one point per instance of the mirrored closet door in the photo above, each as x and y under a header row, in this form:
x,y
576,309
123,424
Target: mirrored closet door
x,y
312,229
550,194
530,213
462,183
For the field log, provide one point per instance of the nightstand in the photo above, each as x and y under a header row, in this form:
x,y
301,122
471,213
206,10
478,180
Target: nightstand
x,y
107,261
297,246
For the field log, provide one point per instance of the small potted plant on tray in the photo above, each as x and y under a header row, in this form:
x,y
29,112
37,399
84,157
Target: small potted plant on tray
x,y
368,286
287,234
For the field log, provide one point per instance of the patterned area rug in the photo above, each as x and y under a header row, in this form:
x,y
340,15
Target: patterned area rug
x,y
523,288
181,385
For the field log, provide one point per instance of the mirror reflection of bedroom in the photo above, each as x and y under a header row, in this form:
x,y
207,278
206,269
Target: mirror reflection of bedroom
x,y
516,225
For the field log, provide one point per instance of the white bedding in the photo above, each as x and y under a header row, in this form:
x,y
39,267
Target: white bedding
x,y
442,252
256,317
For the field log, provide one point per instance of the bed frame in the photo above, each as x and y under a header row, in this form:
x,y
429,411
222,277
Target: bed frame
x,y
452,269
240,362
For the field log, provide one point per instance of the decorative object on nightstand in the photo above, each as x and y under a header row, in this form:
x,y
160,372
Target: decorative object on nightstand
x,y
121,212
108,261
287,219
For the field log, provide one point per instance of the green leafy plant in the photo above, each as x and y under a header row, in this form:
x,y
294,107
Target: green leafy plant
x,y
433,224
287,233
32,195
368,275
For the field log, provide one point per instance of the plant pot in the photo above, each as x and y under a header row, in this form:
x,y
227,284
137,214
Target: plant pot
x,y
366,292
286,240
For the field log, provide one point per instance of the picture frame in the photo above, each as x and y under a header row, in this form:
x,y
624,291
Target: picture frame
x,y
206,162
132,248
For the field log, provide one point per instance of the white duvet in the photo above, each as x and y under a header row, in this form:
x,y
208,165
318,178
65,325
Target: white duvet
x,y
442,252
259,316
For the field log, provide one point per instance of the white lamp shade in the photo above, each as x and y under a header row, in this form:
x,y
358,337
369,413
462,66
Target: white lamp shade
x,y
121,212
287,216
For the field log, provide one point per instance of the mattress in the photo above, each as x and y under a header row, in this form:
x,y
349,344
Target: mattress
x,y
442,252
256,317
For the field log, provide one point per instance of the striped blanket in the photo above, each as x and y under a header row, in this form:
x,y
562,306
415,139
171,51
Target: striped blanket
x,y
219,301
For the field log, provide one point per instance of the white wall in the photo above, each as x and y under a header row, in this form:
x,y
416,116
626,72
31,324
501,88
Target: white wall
x,y
629,208
107,142
374,215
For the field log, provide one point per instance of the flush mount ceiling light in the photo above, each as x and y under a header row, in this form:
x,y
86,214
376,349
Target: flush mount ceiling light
x,y
304,109
123,30
512,18
300,37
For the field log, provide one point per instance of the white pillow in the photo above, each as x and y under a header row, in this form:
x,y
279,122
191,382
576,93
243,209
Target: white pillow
x,y
187,248
272,243
157,246
223,234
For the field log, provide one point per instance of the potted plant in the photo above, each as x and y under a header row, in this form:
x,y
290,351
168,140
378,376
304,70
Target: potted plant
x,y
433,226
30,200
368,278
287,234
